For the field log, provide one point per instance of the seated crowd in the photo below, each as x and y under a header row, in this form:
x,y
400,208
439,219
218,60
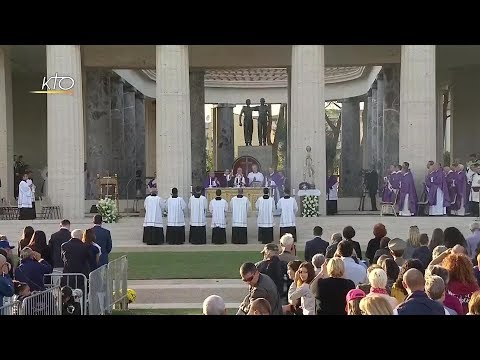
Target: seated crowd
x,y
437,275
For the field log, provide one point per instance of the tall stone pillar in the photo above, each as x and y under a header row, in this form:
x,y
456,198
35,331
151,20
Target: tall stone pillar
x,y
150,138
391,114
173,120
225,150
140,152
308,115
373,121
418,125
97,127
197,118
130,140
65,134
365,140
380,150
118,137
351,157
369,140
6,129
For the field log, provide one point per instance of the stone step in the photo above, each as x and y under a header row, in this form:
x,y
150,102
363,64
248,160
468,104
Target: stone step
x,y
177,306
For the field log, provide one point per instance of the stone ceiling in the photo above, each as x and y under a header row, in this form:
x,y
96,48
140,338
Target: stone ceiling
x,y
267,76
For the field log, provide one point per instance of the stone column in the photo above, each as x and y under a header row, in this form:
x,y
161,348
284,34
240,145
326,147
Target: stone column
x,y
65,134
129,141
197,117
150,138
380,150
391,113
308,115
6,129
224,137
365,140
98,128
118,138
351,158
369,140
418,138
174,158
373,121
140,152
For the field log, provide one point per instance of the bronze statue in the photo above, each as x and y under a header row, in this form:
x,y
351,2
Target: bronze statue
x,y
263,119
247,123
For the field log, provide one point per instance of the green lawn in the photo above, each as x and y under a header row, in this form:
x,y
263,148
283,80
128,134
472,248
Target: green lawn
x,y
165,312
188,265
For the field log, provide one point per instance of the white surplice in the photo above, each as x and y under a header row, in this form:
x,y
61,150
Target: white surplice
x,y
154,206
289,208
265,209
24,195
239,208
198,210
176,211
218,208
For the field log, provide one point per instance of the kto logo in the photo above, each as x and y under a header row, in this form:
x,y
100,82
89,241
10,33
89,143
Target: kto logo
x,y
56,85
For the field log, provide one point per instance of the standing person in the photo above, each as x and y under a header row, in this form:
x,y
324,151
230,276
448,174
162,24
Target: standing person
x,y
288,249
25,240
332,194
75,255
461,194
218,207
371,179
38,243
388,194
450,179
55,244
240,206
33,189
438,198
239,179
265,206
288,207
407,198
176,207
102,238
94,249
474,190
198,206
264,117
255,178
436,239
25,199
153,222
317,245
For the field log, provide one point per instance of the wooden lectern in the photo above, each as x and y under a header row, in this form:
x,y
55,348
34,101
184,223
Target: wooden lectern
x,y
108,188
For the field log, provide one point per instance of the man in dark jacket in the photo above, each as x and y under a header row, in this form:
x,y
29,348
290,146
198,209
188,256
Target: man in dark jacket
x,y
55,244
315,246
75,257
103,239
6,284
32,269
417,301
272,266
371,183
260,286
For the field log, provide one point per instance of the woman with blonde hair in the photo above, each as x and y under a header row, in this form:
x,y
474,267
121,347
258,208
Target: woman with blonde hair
x,y
378,286
474,304
413,242
300,288
375,305
330,293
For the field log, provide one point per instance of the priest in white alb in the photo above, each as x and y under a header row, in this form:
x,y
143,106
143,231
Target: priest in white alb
x,y
240,206
218,208
198,206
265,206
288,208
153,223
176,208
25,200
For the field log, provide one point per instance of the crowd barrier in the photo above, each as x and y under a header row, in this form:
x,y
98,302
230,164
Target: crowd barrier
x,y
47,302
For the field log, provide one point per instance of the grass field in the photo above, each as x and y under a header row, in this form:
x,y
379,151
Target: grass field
x,y
188,265
165,312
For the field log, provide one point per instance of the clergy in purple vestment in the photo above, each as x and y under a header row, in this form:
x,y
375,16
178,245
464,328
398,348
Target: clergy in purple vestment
x,y
387,194
436,180
407,193
211,181
450,178
461,189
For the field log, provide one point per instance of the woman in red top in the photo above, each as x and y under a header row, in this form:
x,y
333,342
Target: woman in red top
x,y
462,282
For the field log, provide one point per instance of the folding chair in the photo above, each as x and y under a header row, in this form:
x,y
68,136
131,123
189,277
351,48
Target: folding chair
x,y
386,205
422,205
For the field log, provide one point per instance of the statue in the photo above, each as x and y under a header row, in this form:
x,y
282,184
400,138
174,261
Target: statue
x,y
247,122
263,119
309,172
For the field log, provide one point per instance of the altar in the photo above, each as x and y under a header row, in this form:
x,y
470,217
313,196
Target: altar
x,y
252,193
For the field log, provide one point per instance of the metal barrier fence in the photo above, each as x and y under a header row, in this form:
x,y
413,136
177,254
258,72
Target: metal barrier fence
x,y
10,308
48,302
108,287
76,281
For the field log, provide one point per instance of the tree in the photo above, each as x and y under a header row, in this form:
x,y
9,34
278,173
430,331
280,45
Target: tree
x,y
331,136
279,143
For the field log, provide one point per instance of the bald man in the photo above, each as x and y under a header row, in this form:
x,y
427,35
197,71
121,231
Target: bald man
x,y
417,301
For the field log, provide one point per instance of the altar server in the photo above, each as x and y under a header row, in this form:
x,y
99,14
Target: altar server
x,y
176,208
153,223
240,206
265,206
198,206
218,208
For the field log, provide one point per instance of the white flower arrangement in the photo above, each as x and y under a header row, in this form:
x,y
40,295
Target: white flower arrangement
x,y
310,206
108,209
